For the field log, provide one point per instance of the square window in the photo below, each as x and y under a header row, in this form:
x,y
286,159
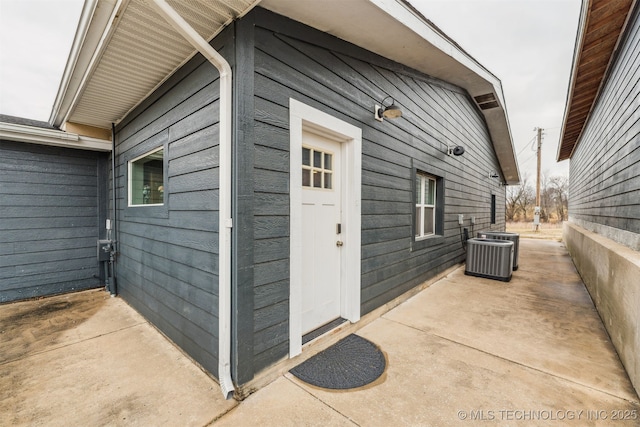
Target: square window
x,y
146,179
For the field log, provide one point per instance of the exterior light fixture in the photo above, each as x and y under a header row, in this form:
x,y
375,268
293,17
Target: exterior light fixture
x,y
390,112
455,151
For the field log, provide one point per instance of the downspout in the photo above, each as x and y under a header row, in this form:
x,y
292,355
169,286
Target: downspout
x,y
114,236
225,222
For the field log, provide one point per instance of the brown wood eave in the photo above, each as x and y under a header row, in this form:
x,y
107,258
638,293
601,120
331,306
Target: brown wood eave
x,y
604,25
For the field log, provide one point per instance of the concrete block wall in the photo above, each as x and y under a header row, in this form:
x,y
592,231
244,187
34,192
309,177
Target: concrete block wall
x,y
611,272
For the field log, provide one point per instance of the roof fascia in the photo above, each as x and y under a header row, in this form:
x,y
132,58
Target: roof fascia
x,y
577,54
94,30
434,54
416,23
52,137
582,26
497,121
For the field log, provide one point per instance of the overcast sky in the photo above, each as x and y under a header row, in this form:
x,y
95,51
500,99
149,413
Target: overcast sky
x,y
528,44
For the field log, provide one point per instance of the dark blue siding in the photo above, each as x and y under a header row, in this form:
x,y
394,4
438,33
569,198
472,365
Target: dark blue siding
x,y
294,61
49,220
168,256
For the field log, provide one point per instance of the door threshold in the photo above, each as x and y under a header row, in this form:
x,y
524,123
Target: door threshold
x,y
310,336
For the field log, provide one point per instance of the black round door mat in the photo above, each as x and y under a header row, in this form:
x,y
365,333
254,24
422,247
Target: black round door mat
x,y
350,363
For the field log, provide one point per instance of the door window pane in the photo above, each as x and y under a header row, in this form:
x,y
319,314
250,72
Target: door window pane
x,y
317,169
327,180
327,161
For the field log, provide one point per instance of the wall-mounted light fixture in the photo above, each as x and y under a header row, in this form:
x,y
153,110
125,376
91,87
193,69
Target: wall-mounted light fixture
x,y
494,175
391,111
458,150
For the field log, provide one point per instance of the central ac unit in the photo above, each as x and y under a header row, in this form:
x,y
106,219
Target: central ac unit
x,y
503,235
489,258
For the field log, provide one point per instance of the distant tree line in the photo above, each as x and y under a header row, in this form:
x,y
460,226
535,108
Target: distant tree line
x,y
521,199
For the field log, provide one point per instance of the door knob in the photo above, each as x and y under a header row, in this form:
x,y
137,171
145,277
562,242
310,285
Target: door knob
x,y
339,243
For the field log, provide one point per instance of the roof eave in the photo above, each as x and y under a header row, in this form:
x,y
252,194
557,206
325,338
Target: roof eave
x,y
570,137
52,137
423,47
96,21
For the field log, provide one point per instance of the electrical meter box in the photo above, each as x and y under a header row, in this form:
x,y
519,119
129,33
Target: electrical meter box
x,y
104,250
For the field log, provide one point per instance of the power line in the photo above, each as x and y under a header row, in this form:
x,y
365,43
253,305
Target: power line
x,y
528,142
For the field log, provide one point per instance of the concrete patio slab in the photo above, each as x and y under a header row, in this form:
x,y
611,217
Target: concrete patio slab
x,y
473,351
432,381
464,351
283,403
543,318
88,359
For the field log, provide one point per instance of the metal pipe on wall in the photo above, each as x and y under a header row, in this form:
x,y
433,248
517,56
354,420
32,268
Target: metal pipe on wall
x,y
114,236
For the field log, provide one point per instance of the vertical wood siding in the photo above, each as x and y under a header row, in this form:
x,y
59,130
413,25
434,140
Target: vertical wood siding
x,y
168,262
294,61
605,167
50,220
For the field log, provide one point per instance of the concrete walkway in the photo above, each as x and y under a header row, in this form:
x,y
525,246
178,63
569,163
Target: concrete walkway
x,y
465,351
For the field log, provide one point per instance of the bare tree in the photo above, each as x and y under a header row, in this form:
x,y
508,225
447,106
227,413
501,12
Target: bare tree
x,y
546,200
513,196
558,189
520,200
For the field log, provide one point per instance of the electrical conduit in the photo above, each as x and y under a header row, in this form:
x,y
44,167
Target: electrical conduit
x,y
225,222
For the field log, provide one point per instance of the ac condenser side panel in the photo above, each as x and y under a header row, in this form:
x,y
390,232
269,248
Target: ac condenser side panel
x,y
491,259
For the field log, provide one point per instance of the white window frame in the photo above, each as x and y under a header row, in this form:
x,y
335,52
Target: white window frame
x,y
130,179
421,204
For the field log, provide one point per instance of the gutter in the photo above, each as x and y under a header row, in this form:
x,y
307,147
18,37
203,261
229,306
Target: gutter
x,y
225,223
53,137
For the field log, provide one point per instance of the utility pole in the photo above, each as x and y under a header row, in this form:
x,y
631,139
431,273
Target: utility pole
x,y
536,214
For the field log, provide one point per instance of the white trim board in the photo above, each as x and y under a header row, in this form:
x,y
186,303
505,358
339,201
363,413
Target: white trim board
x,y
304,117
52,137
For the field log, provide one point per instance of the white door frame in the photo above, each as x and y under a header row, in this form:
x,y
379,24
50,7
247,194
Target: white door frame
x,y
302,116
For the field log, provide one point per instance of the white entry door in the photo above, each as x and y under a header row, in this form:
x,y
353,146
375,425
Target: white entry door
x,y
321,231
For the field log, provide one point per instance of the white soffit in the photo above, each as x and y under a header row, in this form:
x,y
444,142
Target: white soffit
x,y
141,51
133,51
392,30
